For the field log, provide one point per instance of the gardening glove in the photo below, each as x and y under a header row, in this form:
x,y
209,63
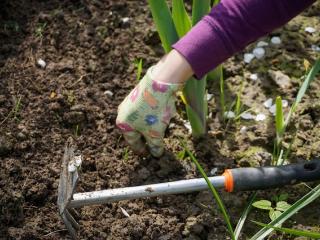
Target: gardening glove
x,y
146,113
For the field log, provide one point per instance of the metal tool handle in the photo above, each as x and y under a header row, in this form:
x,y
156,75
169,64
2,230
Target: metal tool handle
x,y
241,179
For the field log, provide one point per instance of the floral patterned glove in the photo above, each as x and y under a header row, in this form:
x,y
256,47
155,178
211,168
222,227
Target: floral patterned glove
x,y
146,112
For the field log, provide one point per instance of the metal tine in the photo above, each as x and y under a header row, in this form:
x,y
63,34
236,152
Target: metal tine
x,y
71,219
74,213
69,226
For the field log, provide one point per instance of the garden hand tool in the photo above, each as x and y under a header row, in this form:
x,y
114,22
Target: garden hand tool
x,y
238,179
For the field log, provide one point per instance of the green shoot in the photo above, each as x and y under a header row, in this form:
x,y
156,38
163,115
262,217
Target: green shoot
x,y
125,154
222,96
282,124
17,108
212,189
138,64
11,26
40,29
290,231
76,131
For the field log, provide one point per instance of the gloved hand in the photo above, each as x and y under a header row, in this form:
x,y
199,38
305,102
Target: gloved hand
x,y
146,112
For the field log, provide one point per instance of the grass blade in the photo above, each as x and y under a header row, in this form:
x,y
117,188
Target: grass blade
x,y
244,215
199,9
212,190
310,77
297,206
164,23
291,231
180,17
279,119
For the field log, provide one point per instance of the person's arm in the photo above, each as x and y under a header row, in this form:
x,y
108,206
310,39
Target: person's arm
x,y
230,27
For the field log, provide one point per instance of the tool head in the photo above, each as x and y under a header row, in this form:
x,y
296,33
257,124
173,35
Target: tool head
x,y
68,181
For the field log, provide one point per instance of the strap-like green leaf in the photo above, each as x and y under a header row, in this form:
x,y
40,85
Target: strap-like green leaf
x,y
164,23
180,17
291,231
199,9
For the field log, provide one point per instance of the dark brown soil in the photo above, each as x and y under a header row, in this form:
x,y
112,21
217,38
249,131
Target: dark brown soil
x,y
89,50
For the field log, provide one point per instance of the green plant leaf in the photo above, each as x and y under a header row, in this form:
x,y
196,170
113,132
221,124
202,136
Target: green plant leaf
x,y
199,9
180,17
262,204
283,197
291,231
212,189
164,23
279,118
297,206
310,77
283,206
273,214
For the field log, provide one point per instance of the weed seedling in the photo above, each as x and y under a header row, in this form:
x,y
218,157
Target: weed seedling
x,y
280,206
40,30
138,64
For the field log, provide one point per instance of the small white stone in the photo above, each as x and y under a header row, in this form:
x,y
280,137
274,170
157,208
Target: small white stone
x,y
315,48
276,40
248,57
109,93
285,103
172,125
259,52
210,115
272,109
77,160
268,103
125,19
125,212
243,130
71,167
213,171
187,125
229,114
262,44
260,117
310,29
209,96
247,116
41,63
254,77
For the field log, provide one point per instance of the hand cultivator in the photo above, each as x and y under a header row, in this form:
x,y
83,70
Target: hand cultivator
x,y
240,179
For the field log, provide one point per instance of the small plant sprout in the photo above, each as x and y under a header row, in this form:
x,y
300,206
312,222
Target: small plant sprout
x,y
40,30
125,154
17,108
281,121
138,64
275,211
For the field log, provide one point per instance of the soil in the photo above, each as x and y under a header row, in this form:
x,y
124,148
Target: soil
x,y
89,50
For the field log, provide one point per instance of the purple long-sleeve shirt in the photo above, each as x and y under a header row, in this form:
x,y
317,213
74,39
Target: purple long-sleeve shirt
x,y
231,26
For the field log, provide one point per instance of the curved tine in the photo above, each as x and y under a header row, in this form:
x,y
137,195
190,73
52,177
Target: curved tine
x,y
69,226
72,220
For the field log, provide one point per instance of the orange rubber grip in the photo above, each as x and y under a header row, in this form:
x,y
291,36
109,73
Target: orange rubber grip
x,y
228,184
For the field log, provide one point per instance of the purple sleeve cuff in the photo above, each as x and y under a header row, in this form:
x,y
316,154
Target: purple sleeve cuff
x,y
230,27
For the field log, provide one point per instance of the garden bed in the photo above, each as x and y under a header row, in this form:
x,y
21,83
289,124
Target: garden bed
x,y
89,48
